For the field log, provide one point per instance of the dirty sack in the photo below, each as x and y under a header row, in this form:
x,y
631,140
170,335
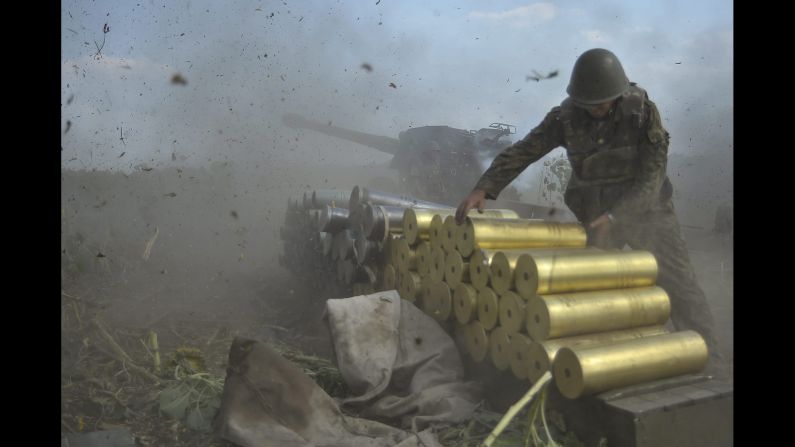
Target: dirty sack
x,y
268,402
399,361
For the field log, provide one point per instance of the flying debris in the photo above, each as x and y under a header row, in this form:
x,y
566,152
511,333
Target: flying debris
x,y
178,79
538,76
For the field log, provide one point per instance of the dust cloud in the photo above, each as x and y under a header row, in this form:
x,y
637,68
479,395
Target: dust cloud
x,y
173,193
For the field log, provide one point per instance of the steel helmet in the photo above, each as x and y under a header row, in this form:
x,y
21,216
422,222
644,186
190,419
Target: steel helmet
x,y
597,77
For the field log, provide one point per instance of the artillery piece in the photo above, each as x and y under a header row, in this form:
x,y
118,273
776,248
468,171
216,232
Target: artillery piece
x,y
440,163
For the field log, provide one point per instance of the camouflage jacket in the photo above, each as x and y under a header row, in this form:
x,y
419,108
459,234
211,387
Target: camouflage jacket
x,y
618,162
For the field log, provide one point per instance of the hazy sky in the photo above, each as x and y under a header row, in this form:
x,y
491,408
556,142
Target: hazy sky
x,y
458,63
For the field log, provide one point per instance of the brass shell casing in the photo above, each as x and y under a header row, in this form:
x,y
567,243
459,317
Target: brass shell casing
x,y
423,254
542,354
588,370
545,272
389,277
512,311
501,268
565,315
520,344
456,270
436,265
427,300
477,341
465,303
417,221
499,348
443,300
410,284
406,256
488,308
435,231
497,233
479,268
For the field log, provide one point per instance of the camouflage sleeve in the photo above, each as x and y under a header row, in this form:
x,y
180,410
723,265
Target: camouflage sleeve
x,y
653,152
514,159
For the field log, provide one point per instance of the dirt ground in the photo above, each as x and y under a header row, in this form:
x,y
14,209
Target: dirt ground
x,y
191,254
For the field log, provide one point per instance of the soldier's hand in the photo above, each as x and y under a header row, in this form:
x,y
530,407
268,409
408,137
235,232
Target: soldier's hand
x,y
477,198
601,229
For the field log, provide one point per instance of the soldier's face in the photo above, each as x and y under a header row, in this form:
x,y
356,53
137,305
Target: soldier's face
x,y
600,110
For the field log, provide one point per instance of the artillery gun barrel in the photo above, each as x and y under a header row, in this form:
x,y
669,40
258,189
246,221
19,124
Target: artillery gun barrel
x,y
381,143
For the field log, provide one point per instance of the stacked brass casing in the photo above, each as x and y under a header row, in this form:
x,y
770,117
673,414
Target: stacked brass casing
x,y
479,268
565,315
544,272
436,264
488,308
477,341
542,353
501,268
517,233
589,370
526,294
449,234
410,285
435,232
456,270
417,221
389,277
406,256
512,312
443,300
423,255
499,348
520,344
465,303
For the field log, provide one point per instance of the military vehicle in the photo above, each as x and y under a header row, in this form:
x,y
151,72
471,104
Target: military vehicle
x,y
438,163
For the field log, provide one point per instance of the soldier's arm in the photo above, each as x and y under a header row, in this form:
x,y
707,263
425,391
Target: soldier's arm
x,y
653,152
514,159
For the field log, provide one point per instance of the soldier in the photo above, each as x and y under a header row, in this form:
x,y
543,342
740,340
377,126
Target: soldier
x,y
618,150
